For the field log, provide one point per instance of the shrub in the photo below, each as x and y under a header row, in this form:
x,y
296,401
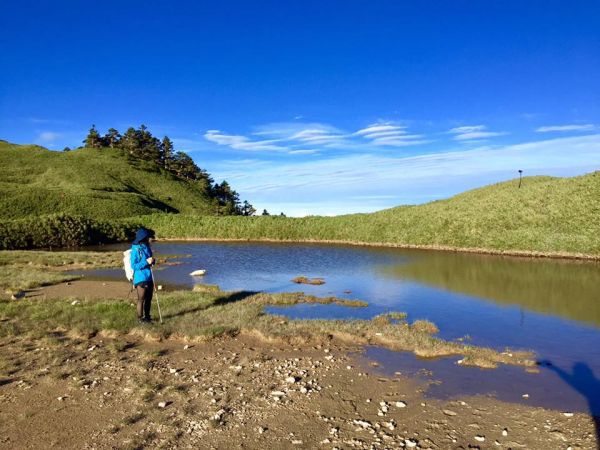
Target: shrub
x,y
62,231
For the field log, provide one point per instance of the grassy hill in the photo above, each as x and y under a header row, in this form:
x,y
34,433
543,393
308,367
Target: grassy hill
x,y
96,183
550,215
547,214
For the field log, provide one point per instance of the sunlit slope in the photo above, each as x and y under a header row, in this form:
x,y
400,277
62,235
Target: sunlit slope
x,y
545,215
97,183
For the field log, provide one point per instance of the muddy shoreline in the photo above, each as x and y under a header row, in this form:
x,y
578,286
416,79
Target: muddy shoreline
x,y
133,390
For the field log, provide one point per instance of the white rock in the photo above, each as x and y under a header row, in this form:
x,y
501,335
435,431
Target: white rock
x,y
74,302
505,432
568,414
410,443
297,442
480,438
291,380
162,404
400,404
448,412
525,395
277,393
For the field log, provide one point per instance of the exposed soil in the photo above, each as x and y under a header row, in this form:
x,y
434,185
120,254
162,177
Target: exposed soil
x,y
109,391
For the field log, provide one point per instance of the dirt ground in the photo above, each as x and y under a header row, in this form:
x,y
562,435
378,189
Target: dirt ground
x,y
108,392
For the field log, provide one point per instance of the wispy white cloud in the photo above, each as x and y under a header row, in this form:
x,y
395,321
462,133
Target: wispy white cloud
x,y
367,182
392,135
239,142
474,132
563,128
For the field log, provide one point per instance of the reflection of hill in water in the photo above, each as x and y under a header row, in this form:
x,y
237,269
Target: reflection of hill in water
x,y
568,289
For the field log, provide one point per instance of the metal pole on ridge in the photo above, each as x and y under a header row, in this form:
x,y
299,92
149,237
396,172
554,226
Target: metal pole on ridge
x,y
156,292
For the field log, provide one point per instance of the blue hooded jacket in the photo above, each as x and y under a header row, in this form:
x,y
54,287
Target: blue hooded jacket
x,y
140,252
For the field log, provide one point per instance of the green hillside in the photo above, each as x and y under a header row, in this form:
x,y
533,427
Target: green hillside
x,y
545,215
97,183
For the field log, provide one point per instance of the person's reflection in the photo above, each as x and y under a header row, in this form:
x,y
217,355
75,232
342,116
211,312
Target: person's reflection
x,y
583,380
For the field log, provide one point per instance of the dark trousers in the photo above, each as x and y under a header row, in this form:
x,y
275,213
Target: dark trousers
x,y
144,294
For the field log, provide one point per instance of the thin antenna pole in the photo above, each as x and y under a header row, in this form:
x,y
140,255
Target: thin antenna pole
x,y
520,177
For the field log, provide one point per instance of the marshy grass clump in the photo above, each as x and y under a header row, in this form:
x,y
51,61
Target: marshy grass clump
x,y
311,281
204,316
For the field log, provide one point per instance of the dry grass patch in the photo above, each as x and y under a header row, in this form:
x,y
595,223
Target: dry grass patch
x,y
306,280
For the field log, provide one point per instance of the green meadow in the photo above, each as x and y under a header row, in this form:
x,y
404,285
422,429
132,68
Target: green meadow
x,y
102,195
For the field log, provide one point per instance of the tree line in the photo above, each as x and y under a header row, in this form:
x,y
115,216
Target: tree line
x,y
141,144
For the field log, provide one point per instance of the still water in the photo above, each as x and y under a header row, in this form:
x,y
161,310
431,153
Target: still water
x,y
549,306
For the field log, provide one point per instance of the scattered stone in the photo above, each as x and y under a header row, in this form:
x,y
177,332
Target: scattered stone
x,y
186,346
525,395
277,393
400,404
362,423
291,380
296,442
261,430
568,414
410,443
172,370
505,432
162,404
448,412
60,399
92,348
480,438
75,302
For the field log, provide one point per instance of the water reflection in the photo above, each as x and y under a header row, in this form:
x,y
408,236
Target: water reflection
x,y
569,289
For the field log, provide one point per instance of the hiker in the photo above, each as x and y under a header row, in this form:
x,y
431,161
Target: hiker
x,y
141,263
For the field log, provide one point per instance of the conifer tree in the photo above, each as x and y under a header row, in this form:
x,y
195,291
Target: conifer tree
x,y
93,139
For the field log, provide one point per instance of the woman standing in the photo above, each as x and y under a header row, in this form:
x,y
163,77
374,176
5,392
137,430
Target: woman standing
x,y
141,263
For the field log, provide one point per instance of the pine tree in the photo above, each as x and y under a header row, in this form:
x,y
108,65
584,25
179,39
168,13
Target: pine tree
x,y
93,139
112,138
167,152
247,209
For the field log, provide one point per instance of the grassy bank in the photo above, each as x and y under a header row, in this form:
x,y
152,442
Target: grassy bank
x,y
546,216
21,270
205,315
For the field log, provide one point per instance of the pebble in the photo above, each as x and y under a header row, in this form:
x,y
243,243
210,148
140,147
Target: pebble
x,y
480,438
410,443
261,430
525,395
291,380
505,432
297,442
74,302
277,393
568,414
400,404
162,404
448,412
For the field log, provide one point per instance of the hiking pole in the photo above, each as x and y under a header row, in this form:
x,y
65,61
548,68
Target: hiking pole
x,y
156,292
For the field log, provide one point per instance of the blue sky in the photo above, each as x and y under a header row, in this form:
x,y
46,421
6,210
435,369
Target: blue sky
x,y
317,107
